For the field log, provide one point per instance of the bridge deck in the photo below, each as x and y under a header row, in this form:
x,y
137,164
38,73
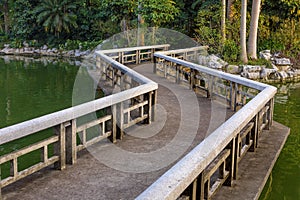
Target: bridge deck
x,y
93,176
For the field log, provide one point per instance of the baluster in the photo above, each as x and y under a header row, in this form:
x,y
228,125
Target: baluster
x,y
14,167
44,154
270,114
71,150
60,147
210,89
238,97
231,165
114,123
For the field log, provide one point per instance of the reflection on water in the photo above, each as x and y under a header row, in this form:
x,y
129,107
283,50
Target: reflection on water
x,y
284,181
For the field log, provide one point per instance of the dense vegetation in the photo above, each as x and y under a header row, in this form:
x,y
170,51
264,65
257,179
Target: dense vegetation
x,y
67,24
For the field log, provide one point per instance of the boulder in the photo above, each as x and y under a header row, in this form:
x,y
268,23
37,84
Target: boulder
x,y
251,68
212,61
265,54
251,75
282,61
233,69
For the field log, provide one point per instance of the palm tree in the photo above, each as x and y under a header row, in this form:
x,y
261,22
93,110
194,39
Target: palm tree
x,y
252,42
244,57
56,15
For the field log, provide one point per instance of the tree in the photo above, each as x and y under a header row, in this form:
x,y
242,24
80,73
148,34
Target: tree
x,y
5,11
252,42
229,9
56,16
158,12
243,30
223,21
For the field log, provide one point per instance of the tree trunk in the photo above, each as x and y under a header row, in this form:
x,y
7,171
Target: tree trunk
x,y
223,22
141,24
229,12
6,16
252,42
244,58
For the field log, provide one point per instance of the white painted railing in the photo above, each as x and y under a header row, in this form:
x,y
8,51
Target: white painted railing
x,y
221,150
116,117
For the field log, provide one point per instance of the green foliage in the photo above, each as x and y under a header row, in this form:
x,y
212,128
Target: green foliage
x,y
3,40
271,44
16,43
230,51
158,12
261,62
57,16
76,44
208,26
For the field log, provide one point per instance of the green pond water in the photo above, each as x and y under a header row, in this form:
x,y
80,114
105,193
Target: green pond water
x,y
284,181
32,89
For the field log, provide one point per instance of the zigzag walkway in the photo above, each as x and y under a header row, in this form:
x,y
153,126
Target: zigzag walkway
x,y
125,169
179,122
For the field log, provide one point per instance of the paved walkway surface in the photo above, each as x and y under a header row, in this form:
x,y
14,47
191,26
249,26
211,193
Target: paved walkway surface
x,y
125,169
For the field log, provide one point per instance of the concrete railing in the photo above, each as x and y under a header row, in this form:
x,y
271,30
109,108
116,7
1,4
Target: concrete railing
x,y
222,150
133,104
135,55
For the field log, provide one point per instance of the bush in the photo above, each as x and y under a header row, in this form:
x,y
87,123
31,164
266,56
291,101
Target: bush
x,y
230,51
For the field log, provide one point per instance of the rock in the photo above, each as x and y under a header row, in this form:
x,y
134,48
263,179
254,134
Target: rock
x,y
44,47
275,67
233,69
212,61
251,75
38,51
77,53
265,54
282,75
251,68
70,53
25,44
54,50
282,61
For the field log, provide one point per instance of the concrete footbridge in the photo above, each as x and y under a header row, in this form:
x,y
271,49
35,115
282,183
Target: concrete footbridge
x,y
167,128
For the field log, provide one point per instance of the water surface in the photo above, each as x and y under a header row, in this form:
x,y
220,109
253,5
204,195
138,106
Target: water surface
x,y
284,181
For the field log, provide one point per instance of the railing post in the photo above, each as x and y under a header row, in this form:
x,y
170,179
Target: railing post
x,y
60,147
152,55
149,108
155,64
270,114
192,79
165,65
122,58
120,120
71,151
210,87
177,68
154,101
137,57
238,97
232,95
114,123
254,132
231,165
237,151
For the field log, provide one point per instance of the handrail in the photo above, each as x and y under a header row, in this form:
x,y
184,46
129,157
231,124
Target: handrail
x,y
134,48
172,184
216,73
26,128
64,122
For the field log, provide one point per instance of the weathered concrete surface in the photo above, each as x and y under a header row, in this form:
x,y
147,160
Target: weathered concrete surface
x,y
255,167
89,178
